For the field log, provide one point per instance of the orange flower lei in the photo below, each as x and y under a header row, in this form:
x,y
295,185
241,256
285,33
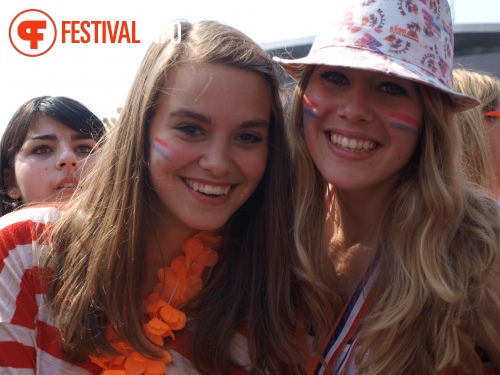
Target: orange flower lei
x,y
177,284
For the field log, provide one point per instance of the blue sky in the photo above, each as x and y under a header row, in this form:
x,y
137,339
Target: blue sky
x,y
99,75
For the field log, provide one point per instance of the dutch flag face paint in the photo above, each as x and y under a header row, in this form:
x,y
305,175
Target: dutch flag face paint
x,y
160,146
404,123
310,108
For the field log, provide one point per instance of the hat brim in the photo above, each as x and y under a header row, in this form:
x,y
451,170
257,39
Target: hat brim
x,y
358,58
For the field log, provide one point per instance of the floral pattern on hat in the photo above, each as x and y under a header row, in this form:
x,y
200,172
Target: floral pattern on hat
x,y
412,39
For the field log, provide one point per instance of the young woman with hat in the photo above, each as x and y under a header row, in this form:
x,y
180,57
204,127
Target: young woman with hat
x,y
414,246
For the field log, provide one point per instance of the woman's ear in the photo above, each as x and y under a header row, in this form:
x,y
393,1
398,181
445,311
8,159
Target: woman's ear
x,y
10,182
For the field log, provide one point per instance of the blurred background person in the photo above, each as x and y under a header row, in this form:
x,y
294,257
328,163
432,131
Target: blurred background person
x,y
480,128
42,151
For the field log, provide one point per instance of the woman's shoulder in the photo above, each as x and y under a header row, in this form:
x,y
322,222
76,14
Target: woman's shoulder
x,y
23,233
41,214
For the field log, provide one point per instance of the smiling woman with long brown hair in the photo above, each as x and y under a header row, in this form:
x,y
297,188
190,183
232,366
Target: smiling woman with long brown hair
x,y
188,211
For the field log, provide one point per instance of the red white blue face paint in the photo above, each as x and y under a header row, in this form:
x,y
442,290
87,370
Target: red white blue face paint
x,y
310,108
160,146
404,123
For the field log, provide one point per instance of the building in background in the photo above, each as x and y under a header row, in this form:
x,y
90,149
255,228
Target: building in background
x,y
477,47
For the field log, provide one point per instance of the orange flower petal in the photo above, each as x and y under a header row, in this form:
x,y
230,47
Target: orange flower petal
x,y
154,303
207,258
175,286
211,241
176,319
161,274
157,340
100,361
157,327
156,367
121,346
192,247
118,360
169,314
134,366
210,257
138,356
114,372
195,284
166,357
179,268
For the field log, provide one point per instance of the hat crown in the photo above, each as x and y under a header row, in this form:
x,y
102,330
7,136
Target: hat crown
x,y
417,32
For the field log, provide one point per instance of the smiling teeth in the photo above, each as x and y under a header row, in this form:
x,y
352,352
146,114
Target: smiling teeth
x,y
208,189
65,186
352,144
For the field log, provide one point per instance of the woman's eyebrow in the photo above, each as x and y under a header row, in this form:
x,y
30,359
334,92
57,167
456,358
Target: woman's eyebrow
x,y
255,124
191,114
261,123
53,137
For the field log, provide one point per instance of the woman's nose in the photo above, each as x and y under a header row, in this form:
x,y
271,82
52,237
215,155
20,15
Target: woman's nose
x,y
67,160
216,159
356,105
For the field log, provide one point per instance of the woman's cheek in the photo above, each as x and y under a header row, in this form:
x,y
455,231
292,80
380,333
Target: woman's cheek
x,y
404,123
310,110
162,148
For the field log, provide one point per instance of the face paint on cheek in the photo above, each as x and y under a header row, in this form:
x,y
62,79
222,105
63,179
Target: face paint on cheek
x,y
404,123
159,145
310,108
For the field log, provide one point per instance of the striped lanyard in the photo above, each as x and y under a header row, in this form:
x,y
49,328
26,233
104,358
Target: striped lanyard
x,y
345,328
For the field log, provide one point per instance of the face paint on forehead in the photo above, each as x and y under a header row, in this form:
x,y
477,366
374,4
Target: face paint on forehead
x,y
310,108
404,123
159,145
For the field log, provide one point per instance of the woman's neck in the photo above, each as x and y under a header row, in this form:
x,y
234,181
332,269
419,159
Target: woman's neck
x,y
358,217
165,244
355,233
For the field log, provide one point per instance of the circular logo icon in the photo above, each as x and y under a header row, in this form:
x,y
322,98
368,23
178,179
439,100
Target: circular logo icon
x,y
32,32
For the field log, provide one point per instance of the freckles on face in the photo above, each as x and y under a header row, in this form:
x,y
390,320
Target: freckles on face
x,y
404,123
160,146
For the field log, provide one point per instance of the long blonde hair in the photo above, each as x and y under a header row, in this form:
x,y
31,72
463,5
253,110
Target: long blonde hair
x,y
103,239
438,247
478,163
316,269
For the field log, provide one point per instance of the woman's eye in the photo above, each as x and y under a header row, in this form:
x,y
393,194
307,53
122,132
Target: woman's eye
x,y
83,149
190,130
42,149
250,138
335,77
392,89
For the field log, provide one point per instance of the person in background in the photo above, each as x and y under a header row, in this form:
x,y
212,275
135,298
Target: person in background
x,y
480,128
178,256
413,245
43,151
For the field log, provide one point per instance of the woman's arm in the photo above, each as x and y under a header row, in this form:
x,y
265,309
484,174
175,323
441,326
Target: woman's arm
x,y
18,303
29,339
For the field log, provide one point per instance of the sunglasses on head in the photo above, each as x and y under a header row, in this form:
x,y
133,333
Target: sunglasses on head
x,y
492,114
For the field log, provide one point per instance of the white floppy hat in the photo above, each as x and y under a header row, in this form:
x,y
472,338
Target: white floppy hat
x,y
411,39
